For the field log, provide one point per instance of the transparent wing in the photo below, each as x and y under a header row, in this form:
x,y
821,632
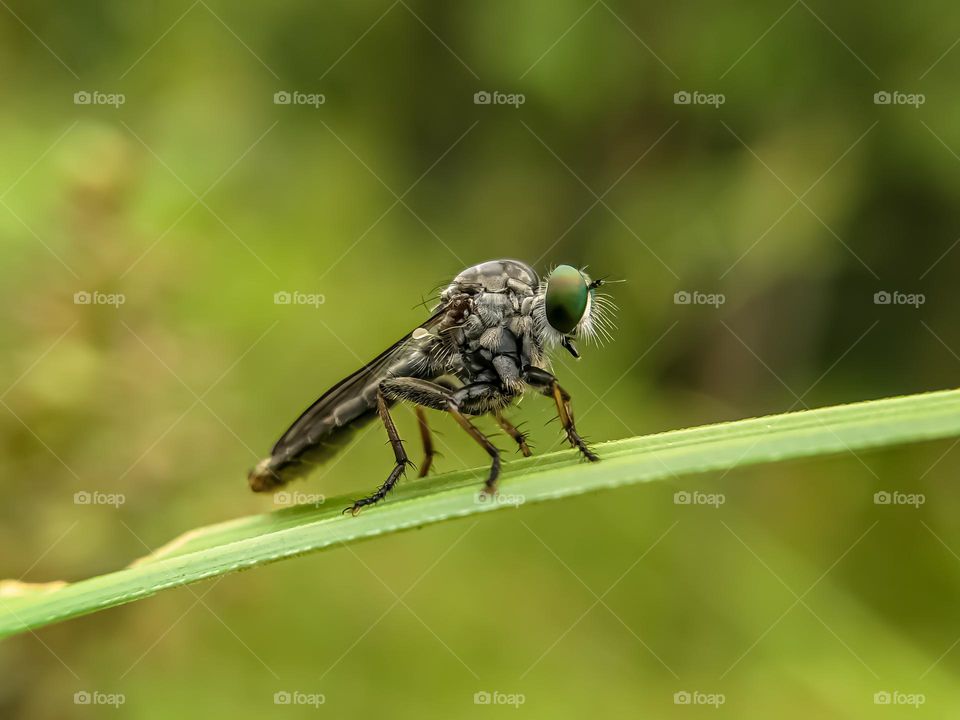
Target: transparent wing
x,y
322,428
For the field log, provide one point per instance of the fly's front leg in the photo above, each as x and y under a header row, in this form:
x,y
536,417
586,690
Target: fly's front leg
x,y
399,454
547,384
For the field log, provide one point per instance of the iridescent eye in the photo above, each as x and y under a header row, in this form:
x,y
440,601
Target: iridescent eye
x,y
566,299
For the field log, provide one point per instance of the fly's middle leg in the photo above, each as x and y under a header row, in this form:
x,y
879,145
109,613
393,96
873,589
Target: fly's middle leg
x,y
477,399
513,431
474,399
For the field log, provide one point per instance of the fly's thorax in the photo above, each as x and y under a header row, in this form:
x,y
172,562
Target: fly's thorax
x,y
495,276
494,308
490,321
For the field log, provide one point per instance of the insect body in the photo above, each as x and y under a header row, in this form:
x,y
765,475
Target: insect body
x,y
484,344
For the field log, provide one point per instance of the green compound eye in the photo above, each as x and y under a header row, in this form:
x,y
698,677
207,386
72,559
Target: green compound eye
x,y
566,299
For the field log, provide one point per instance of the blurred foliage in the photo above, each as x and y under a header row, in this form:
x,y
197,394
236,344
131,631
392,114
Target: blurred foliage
x,y
199,198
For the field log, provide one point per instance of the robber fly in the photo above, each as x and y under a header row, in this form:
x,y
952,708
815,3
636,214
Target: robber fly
x,y
484,344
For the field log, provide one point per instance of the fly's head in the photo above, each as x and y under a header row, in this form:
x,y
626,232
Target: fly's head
x,y
569,306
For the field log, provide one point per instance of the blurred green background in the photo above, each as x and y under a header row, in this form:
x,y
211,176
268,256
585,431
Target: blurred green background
x,y
198,198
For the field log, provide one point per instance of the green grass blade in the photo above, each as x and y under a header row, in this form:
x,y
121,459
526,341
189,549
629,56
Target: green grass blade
x,y
248,542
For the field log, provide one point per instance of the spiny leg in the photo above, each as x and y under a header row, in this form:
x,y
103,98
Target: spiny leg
x,y
490,487
400,455
548,385
562,399
475,399
510,429
427,440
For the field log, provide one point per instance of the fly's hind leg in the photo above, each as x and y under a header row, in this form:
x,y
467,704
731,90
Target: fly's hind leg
x,y
547,384
399,454
422,391
427,439
417,391
513,431
474,399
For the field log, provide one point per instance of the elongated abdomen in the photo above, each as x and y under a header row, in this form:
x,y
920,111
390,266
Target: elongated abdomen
x,y
332,421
